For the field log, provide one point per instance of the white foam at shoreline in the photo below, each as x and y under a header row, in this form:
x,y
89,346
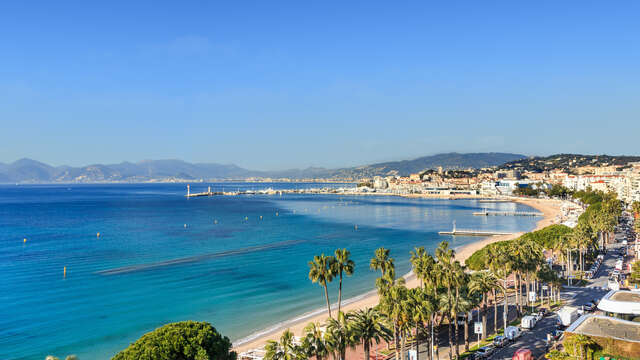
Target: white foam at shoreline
x,y
288,323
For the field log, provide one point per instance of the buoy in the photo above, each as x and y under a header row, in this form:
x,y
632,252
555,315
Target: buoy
x,y
260,217
185,226
356,227
215,221
98,235
246,218
276,213
25,240
64,271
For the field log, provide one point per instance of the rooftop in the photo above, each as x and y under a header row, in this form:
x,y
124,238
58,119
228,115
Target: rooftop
x,y
607,327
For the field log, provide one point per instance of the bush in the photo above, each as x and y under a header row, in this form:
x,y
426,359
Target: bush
x,y
187,340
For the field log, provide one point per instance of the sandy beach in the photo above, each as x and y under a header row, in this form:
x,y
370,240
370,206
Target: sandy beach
x,y
549,208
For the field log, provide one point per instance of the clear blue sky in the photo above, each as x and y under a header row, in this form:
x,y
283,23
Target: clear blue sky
x,y
274,85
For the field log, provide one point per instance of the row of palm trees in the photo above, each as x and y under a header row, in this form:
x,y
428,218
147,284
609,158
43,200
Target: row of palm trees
x,y
361,327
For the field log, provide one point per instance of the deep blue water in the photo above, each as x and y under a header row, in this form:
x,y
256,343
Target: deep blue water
x,y
227,266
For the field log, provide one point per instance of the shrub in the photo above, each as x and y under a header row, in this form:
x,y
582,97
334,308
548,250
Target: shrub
x,y
187,340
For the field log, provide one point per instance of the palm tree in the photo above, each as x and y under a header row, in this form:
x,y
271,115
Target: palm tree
x,y
578,341
419,306
341,265
501,264
582,237
482,282
285,349
340,335
391,306
446,257
314,343
460,280
383,262
320,272
368,327
426,270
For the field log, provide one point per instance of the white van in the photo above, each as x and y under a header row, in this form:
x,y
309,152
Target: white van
x,y
528,322
512,333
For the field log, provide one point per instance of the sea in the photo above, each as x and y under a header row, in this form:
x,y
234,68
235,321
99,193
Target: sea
x,y
88,269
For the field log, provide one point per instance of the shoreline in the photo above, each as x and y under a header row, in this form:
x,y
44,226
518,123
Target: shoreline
x,y
549,208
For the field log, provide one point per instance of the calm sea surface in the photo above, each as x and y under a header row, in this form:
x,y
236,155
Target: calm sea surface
x,y
240,262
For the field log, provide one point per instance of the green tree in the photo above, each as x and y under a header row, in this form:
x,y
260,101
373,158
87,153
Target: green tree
x,y
579,345
557,355
369,327
342,265
313,343
427,271
420,307
483,282
501,263
391,305
285,349
446,265
186,340
321,272
384,262
340,334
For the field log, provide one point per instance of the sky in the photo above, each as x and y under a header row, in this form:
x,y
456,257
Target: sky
x,y
272,85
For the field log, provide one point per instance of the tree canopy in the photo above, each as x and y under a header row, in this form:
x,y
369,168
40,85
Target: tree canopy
x,y
187,340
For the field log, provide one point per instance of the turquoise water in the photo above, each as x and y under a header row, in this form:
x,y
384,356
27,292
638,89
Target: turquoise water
x,y
147,269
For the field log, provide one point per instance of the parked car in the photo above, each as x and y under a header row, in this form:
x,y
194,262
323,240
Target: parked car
x,y
500,341
485,352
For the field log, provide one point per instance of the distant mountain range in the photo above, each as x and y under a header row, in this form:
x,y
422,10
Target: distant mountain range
x,y
31,171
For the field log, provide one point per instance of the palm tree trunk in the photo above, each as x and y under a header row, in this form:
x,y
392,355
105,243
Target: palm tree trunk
x,y
484,316
326,295
456,323
505,312
466,332
450,338
418,342
396,341
339,294
495,311
367,347
403,336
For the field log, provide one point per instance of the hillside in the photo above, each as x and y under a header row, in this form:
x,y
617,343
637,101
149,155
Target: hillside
x,y
446,160
567,161
31,171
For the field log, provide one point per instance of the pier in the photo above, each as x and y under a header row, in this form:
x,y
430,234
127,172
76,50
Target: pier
x,y
472,232
506,213
206,193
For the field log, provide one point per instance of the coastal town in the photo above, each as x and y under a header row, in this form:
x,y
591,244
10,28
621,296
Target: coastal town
x,y
574,294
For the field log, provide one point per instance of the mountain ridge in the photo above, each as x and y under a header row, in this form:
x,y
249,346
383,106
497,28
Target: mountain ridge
x,y
32,171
